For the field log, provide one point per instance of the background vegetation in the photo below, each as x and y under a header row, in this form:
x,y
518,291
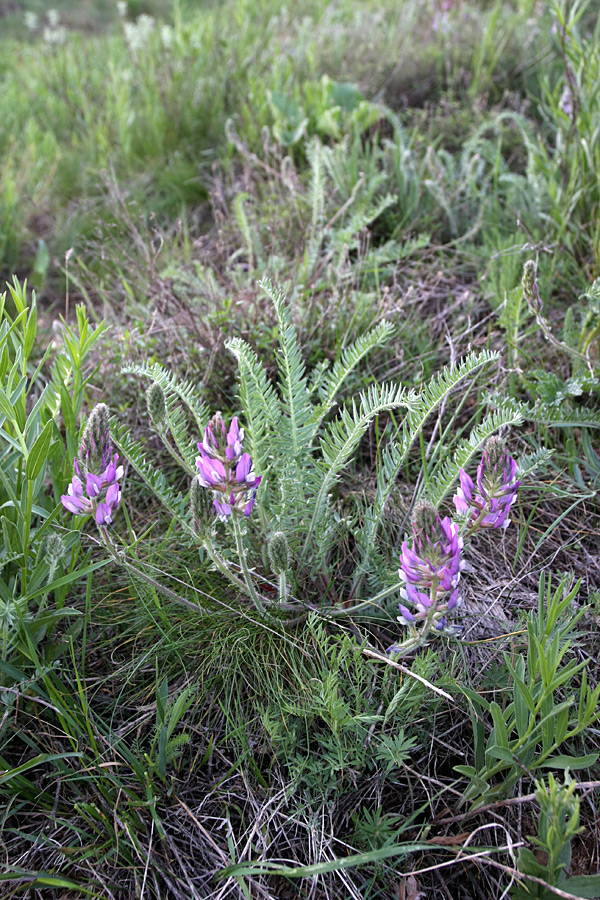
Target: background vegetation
x,y
395,161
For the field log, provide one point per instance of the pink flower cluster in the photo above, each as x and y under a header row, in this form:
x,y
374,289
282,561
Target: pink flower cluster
x,y
431,568
497,488
225,469
95,485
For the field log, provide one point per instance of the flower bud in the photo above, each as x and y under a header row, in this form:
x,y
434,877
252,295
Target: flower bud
x,y
95,451
279,553
54,550
494,453
426,524
530,288
201,506
155,400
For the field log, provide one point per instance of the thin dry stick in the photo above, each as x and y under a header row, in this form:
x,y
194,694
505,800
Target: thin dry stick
x,y
206,834
143,888
516,874
513,801
462,858
390,662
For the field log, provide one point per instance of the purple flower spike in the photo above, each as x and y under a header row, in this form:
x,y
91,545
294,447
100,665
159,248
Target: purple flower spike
x,y
489,504
97,465
225,469
430,569
438,556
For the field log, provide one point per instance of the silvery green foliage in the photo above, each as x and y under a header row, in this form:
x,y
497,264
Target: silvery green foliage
x,y
302,441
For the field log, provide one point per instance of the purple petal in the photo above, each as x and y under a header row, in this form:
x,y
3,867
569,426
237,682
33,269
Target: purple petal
x,y
93,485
454,600
113,495
223,509
73,504
212,471
103,514
242,470
406,613
421,600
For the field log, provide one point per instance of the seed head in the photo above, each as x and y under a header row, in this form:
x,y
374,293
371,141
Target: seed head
x,y
279,553
96,447
155,400
201,506
54,550
426,524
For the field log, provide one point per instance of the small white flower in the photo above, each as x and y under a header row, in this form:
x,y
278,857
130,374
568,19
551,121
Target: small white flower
x,y
167,35
31,21
55,36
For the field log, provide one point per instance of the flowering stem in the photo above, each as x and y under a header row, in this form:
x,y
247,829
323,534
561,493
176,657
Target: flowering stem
x,y
432,608
178,459
547,331
222,566
139,573
244,566
282,586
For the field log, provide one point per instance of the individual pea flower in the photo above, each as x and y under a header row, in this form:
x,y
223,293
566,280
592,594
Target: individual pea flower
x,y
225,469
431,568
497,488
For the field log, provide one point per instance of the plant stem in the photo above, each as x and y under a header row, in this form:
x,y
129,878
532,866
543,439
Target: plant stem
x,y
282,586
363,604
164,435
244,566
121,561
222,566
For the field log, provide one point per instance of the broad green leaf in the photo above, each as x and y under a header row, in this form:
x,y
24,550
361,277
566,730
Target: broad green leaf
x,y
499,725
39,452
522,708
502,753
585,886
570,762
